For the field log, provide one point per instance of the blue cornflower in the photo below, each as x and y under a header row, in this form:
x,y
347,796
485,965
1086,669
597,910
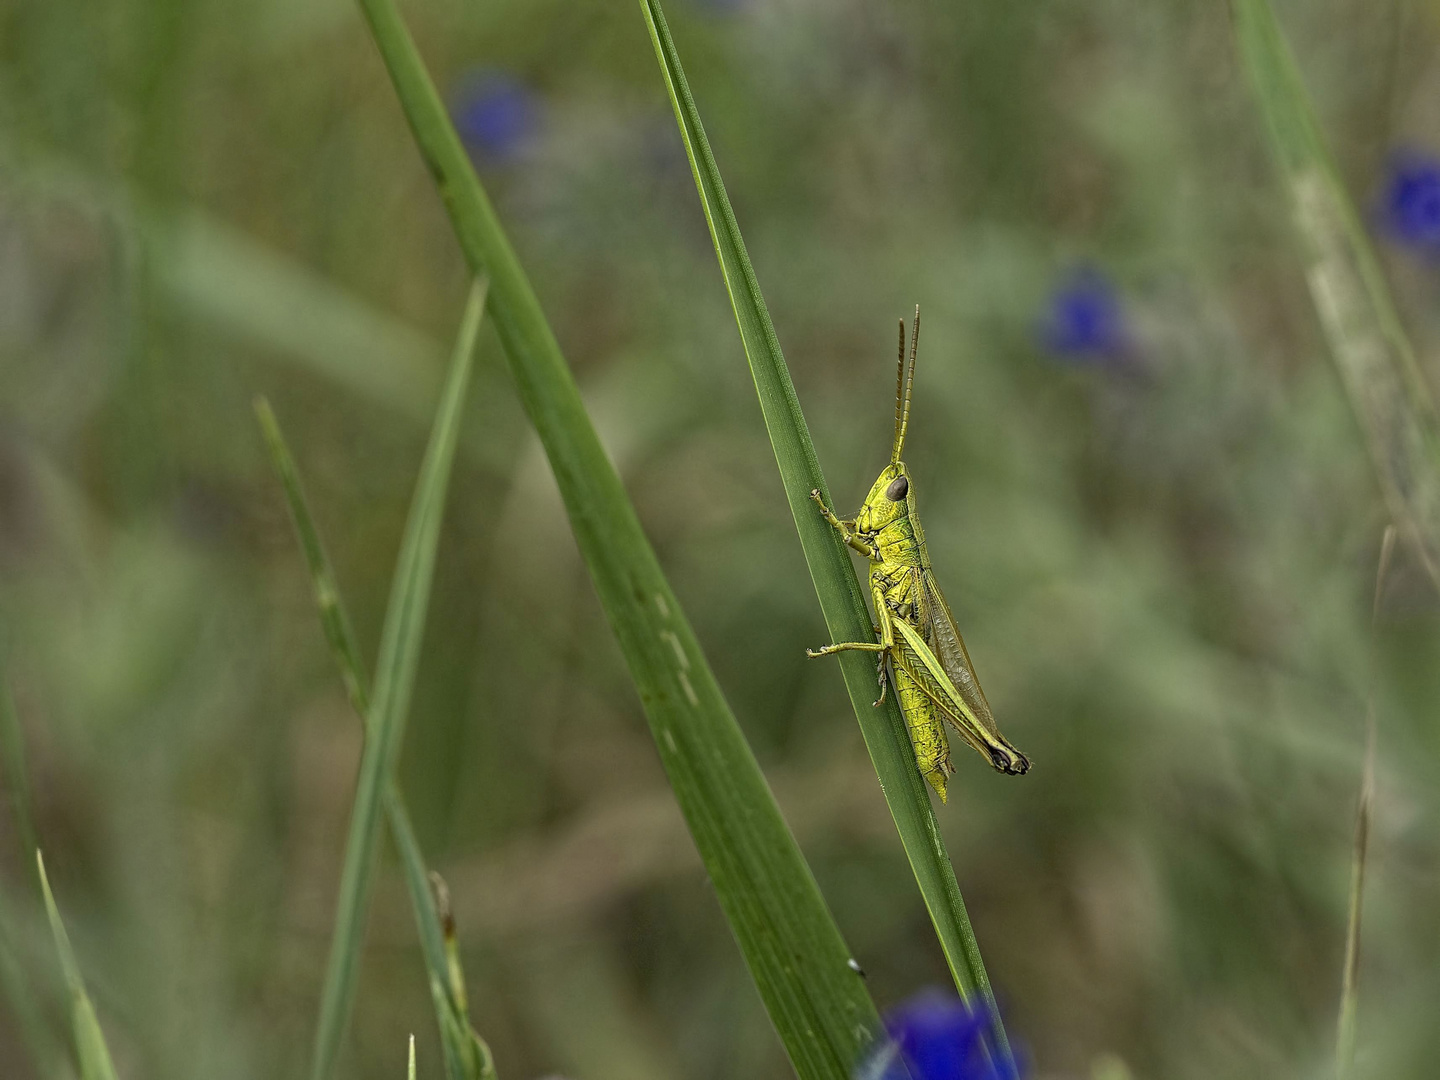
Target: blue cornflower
x,y
1410,207
495,114
939,1037
1085,320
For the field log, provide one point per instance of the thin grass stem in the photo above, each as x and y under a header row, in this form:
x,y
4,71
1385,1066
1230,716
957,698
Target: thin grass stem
x,y
395,678
1346,1023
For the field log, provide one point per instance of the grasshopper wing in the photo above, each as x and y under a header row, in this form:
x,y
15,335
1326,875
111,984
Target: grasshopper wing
x,y
949,648
978,728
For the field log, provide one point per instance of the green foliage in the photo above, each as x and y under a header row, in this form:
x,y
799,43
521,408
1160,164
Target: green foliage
x,y
1387,390
1161,562
94,1055
394,682
831,569
465,1051
795,953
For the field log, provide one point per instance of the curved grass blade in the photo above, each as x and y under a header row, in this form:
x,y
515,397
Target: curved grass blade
x,y
464,1051
45,1051
95,1063
13,980
1346,1023
831,569
395,679
1377,366
794,951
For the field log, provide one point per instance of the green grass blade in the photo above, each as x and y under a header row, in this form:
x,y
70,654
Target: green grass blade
x,y
338,633
395,678
216,272
410,1072
95,1063
795,953
13,981
333,618
1345,1026
45,1052
1377,366
831,569
466,1054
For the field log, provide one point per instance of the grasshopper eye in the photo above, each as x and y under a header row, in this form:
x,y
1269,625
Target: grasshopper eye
x,y
897,489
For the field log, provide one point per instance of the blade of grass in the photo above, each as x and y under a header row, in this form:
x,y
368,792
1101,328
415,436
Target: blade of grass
x,y
95,1063
831,569
395,679
410,1072
338,633
465,1052
794,951
13,980
1345,1025
45,1052
1377,366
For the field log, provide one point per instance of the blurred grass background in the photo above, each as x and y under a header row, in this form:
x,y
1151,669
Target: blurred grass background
x,y
1160,546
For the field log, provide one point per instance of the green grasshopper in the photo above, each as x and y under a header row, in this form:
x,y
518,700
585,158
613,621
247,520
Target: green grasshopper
x,y
930,668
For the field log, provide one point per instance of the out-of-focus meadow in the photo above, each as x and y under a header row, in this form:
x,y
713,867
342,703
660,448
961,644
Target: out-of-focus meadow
x,y
1143,488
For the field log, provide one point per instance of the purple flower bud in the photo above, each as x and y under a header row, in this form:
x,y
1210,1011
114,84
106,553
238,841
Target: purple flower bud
x,y
495,114
1409,209
933,1036
1085,320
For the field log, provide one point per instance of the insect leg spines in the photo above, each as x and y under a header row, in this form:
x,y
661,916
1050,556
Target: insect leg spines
x,y
846,646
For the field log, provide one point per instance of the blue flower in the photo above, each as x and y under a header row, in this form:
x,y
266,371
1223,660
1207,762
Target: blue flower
x,y
495,114
1410,207
1085,320
938,1037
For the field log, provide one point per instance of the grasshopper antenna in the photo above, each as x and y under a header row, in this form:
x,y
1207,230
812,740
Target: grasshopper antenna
x,y
899,399
904,381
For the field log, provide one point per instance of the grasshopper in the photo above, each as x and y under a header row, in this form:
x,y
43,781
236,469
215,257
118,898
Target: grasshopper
x,y
929,666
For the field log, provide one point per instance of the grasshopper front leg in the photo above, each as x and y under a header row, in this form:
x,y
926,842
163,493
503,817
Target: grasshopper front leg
x,y
844,528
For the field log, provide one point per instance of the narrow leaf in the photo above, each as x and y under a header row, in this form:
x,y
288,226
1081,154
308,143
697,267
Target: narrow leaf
x,y
95,1063
399,656
1377,366
831,569
791,944
24,1002
1345,1026
341,638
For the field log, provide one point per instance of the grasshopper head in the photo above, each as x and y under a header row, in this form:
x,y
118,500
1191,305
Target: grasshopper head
x,y
888,499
